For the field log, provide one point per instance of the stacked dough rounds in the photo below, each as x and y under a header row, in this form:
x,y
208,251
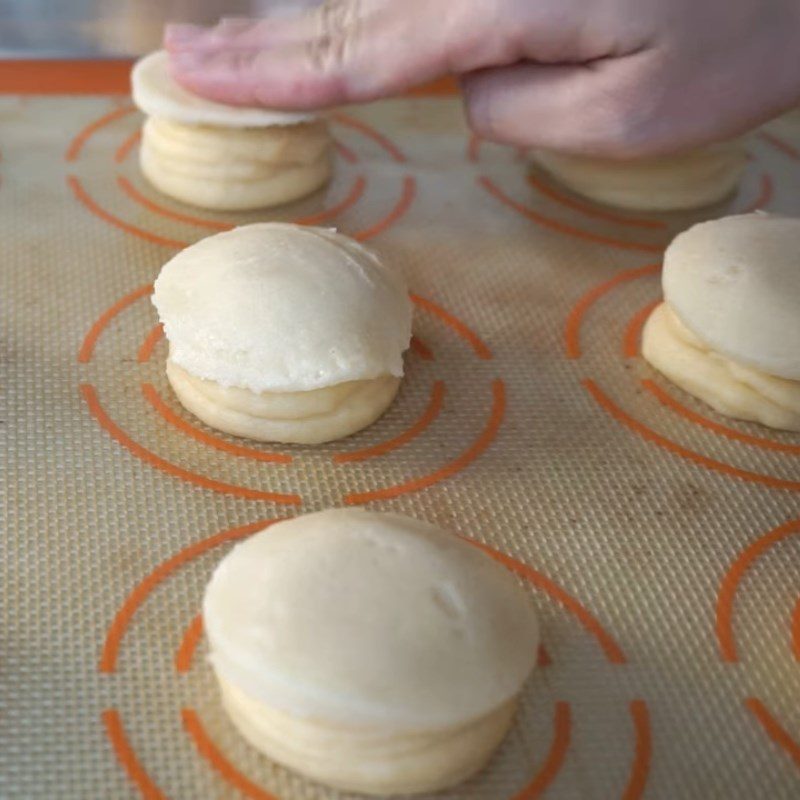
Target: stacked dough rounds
x,y
729,329
224,157
671,183
283,333
371,652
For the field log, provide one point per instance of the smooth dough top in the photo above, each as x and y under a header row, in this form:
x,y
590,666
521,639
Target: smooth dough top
x,y
362,618
735,284
283,308
158,94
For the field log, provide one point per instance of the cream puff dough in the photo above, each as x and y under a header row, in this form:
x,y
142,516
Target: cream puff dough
x,y
283,333
728,331
669,183
371,652
222,157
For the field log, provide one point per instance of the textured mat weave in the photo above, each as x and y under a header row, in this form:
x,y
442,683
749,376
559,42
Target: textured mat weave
x,y
659,540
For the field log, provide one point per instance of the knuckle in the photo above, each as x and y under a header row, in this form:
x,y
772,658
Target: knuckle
x,y
337,31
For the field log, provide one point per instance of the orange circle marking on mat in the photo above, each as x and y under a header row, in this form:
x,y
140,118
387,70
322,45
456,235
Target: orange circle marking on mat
x,y
149,344
562,732
83,197
643,752
89,395
608,405
418,347
478,447
572,328
591,210
556,225
633,333
425,420
124,150
127,757
87,348
120,623
474,148
796,631
774,729
362,127
345,152
787,149
352,197
407,195
764,198
453,322
211,753
733,577
191,638
134,194
675,405
590,623
76,145
165,412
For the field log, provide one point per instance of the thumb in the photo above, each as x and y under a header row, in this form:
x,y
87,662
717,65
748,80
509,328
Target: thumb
x,y
344,51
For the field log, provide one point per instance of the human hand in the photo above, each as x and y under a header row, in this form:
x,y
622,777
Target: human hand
x,y
615,78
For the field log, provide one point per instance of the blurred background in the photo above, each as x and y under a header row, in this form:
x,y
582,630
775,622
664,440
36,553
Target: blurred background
x,y
112,28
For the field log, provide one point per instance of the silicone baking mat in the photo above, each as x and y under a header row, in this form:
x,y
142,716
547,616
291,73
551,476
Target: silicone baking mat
x,y
659,540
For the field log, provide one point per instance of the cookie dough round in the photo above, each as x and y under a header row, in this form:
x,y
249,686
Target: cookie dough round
x,y
688,180
220,157
283,333
729,329
370,652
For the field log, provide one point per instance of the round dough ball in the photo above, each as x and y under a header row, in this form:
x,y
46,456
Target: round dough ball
x,y
158,94
669,183
369,651
285,333
735,284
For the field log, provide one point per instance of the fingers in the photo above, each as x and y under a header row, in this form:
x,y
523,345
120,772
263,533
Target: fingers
x,y
344,51
595,109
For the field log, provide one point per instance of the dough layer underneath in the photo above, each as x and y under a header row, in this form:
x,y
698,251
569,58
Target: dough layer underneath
x,y
235,169
310,417
369,760
672,183
730,388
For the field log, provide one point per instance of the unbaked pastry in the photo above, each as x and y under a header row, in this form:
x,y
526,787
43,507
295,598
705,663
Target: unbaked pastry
x,y
222,157
283,333
669,183
371,652
729,329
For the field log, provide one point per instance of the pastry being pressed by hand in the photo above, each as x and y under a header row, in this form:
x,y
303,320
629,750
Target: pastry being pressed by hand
x,y
728,331
678,182
224,158
283,333
371,652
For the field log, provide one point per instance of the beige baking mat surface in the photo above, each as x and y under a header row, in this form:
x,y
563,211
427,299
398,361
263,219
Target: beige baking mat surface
x,y
658,539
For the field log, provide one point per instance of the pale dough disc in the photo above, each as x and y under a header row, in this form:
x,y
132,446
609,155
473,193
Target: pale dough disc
x,y
158,94
310,417
731,389
735,283
276,307
276,187
670,183
369,651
